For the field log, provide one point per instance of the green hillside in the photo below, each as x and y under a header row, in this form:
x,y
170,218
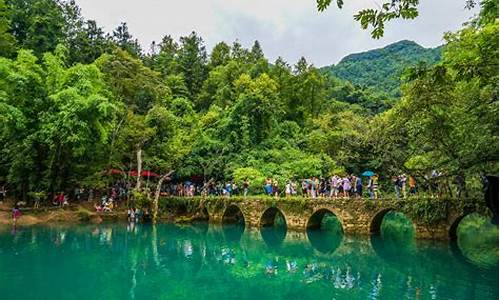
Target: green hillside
x,y
381,69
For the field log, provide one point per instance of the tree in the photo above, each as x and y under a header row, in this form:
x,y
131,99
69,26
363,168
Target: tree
x,y
37,24
66,114
7,41
125,40
136,85
395,9
192,62
220,56
166,61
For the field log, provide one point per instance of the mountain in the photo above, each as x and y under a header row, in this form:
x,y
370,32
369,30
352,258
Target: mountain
x,y
381,69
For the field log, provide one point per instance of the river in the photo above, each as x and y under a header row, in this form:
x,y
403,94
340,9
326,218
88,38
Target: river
x,y
201,261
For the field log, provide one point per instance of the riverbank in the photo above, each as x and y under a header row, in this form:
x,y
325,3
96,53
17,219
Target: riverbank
x,y
50,215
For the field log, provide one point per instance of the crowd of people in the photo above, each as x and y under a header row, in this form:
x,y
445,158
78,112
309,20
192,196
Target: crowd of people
x,y
350,186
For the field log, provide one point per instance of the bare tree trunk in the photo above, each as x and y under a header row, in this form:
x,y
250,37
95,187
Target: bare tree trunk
x,y
157,195
139,169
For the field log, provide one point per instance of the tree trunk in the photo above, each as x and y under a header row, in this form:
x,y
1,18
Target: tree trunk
x,y
157,195
139,169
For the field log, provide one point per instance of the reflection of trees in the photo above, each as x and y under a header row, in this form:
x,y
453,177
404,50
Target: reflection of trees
x,y
173,260
478,240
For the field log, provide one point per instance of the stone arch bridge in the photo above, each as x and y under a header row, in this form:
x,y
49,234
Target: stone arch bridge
x,y
432,218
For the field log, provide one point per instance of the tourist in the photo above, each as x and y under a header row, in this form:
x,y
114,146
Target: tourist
x,y
108,207
397,186
294,188
3,193
346,186
228,189
268,186
276,188
403,184
340,186
246,185
333,186
413,185
303,186
323,187
354,191
16,214
314,187
288,189
359,187
59,199
374,179
234,188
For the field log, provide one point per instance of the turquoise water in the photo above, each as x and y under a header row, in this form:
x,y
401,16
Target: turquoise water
x,y
120,261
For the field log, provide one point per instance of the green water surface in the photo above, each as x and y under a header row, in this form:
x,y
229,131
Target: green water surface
x,y
129,261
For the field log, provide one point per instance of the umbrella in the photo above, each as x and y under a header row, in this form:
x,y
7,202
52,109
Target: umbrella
x,y
145,173
368,173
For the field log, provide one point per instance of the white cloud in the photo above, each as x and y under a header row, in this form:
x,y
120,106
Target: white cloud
x,y
288,28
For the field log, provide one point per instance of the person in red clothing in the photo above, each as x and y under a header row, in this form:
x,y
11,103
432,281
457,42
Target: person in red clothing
x,y
16,214
59,199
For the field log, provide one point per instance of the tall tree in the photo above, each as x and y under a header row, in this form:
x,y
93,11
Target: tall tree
x,y
37,24
221,54
193,62
7,41
126,41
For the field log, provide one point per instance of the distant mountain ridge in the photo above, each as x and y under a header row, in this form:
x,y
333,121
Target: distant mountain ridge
x,y
381,69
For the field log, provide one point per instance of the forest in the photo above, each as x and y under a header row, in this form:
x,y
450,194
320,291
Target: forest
x,y
76,102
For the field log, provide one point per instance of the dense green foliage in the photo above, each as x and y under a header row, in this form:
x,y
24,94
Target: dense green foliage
x,y
376,18
75,102
382,69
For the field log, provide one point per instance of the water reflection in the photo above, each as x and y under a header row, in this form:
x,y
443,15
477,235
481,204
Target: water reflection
x,y
273,236
233,232
324,242
167,261
477,240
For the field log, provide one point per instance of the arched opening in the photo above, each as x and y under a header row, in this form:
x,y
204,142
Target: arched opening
x,y
324,219
234,224
476,238
391,223
272,217
233,215
273,227
393,235
324,231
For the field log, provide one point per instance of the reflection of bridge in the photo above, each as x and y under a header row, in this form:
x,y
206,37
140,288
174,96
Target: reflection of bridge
x,y
355,215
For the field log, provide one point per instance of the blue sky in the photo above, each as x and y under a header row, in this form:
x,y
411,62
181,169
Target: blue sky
x,y
287,28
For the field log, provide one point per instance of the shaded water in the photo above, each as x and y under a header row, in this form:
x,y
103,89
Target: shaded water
x,y
120,261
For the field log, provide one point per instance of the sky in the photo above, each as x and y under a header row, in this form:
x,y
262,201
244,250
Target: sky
x,y
286,28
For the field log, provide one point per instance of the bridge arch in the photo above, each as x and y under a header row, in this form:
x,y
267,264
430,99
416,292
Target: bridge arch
x,y
314,221
452,230
269,215
376,222
233,215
